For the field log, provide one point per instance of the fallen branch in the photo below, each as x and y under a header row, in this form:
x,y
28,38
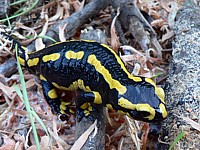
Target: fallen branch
x,y
183,92
74,21
133,21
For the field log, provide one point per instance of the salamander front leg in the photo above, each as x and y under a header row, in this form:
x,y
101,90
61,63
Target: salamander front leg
x,y
85,103
57,105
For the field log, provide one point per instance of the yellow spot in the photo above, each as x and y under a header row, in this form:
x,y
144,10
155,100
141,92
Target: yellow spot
x,y
160,93
136,79
86,112
109,106
73,86
102,70
33,62
126,104
66,103
90,107
52,94
51,57
146,108
74,55
63,107
97,98
84,106
43,78
82,86
21,61
62,111
71,111
163,110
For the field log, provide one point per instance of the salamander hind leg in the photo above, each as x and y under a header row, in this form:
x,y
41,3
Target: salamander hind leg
x,y
57,105
85,104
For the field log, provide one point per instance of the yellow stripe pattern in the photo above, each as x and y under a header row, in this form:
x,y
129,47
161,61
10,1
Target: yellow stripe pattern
x,y
74,86
102,70
136,79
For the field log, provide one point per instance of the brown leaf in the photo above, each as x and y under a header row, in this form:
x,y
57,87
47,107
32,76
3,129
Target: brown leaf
x,y
38,42
61,32
9,144
172,14
77,5
59,13
114,38
168,35
66,7
158,23
165,5
194,124
7,90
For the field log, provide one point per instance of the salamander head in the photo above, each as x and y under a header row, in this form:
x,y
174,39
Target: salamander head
x,y
143,102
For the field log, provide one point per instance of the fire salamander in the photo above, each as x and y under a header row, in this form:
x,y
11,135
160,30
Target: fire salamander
x,y
99,75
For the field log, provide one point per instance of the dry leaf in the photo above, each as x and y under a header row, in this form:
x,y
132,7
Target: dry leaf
x,y
7,90
62,33
38,42
66,7
168,35
172,14
61,143
114,38
9,144
59,13
77,5
165,5
30,32
136,69
158,23
133,129
194,124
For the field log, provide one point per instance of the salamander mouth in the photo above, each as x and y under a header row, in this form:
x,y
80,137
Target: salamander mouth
x,y
141,116
144,116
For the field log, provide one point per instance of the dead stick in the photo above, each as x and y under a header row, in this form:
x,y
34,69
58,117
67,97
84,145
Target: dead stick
x,y
74,21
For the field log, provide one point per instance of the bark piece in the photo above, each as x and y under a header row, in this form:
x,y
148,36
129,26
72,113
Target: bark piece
x,y
132,20
4,6
8,67
183,90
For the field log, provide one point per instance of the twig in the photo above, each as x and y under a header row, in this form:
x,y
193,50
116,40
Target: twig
x,y
74,21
